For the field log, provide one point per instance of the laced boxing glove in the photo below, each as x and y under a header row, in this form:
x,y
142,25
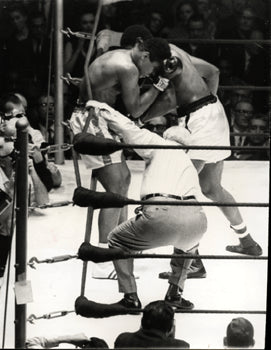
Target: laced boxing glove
x,y
160,83
171,64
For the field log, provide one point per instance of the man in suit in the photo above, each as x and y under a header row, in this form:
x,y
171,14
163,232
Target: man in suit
x,y
157,329
197,30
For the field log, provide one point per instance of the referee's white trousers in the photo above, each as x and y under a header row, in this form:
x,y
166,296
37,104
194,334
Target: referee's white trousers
x,y
157,226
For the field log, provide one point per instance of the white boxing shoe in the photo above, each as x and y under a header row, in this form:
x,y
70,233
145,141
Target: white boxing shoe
x,y
105,271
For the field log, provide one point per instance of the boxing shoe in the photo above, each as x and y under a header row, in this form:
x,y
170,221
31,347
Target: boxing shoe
x,y
176,301
131,301
196,272
247,246
104,271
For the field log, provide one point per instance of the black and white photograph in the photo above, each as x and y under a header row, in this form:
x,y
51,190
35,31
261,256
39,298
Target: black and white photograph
x,y
135,174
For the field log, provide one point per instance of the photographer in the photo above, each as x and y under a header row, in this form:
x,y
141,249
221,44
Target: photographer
x,y
13,109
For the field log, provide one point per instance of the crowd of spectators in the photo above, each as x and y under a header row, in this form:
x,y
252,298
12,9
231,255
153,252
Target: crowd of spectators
x,y
27,50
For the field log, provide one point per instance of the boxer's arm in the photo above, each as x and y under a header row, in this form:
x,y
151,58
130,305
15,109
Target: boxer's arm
x,y
135,103
208,72
164,103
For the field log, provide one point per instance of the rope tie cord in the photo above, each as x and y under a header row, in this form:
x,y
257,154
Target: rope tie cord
x,y
55,259
50,315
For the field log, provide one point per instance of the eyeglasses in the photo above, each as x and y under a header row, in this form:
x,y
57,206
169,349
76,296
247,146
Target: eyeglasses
x,y
243,111
250,18
257,127
8,116
44,104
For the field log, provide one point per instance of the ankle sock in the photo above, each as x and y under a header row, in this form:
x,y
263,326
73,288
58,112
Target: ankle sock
x,y
240,230
103,245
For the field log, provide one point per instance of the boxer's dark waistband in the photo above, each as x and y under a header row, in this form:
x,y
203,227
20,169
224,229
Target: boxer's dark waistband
x,y
182,198
194,106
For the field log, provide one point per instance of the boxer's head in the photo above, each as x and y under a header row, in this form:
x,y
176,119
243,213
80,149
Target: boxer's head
x,y
148,53
152,53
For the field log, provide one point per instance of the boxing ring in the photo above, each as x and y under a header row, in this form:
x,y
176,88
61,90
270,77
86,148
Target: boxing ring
x,y
230,285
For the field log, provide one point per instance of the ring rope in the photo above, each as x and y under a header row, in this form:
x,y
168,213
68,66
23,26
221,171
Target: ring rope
x,y
258,312
244,87
193,256
34,260
66,146
205,204
56,314
236,148
220,41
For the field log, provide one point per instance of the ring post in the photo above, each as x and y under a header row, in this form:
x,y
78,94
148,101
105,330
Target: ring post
x,y
93,182
59,134
21,226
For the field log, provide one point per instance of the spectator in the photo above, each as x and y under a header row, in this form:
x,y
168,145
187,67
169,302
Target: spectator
x,y
27,54
184,11
39,119
242,113
234,96
224,65
197,30
39,194
237,26
18,48
258,126
40,49
157,329
255,65
75,50
240,333
156,24
255,68
79,340
49,175
6,198
109,17
240,27
205,9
